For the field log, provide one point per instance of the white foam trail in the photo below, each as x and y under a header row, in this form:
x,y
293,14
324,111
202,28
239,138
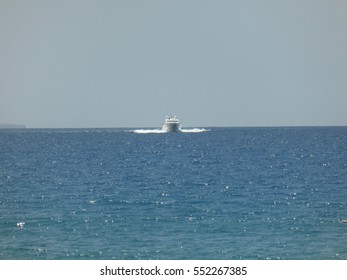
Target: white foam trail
x,y
190,130
195,130
148,131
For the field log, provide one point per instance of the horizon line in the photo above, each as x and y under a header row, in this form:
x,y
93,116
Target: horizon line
x,y
4,127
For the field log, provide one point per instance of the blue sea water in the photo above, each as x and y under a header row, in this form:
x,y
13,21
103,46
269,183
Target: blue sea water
x,y
228,193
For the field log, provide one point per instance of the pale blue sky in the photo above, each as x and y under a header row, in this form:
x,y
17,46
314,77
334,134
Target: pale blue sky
x,y
127,63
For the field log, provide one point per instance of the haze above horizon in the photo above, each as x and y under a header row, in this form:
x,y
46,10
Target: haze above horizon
x,y
67,64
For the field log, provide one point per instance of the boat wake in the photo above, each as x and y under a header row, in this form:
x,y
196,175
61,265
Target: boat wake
x,y
195,130
145,131
189,130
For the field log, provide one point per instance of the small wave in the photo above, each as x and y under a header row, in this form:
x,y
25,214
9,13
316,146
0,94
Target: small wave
x,y
20,224
190,130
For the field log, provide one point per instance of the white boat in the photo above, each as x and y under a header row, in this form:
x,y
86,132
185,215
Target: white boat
x,y
171,124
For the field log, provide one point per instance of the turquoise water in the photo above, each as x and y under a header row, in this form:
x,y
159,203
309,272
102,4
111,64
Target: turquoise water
x,y
228,193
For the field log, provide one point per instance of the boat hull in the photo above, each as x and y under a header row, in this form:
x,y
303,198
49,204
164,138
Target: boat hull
x,y
172,127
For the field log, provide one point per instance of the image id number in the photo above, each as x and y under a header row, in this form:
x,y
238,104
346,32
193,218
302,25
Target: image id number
x,y
226,270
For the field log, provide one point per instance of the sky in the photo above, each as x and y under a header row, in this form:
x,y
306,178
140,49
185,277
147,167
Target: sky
x,y
128,63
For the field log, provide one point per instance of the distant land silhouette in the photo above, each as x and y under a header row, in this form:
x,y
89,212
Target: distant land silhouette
x,y
2,125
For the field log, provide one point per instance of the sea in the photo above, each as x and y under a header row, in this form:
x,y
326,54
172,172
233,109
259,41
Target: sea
x,y
264,193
